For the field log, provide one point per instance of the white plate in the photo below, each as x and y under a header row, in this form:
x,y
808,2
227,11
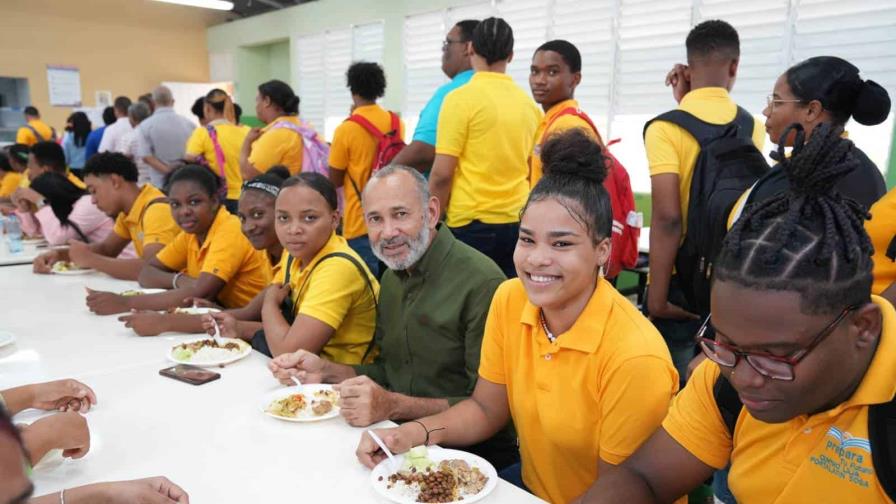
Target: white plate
x,y
247,349
436,454
196,310
142,291
35,241
306,415
78,271
6,338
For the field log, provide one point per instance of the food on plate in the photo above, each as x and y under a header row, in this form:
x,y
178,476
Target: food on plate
x,y
193,310
327,395
207,350
321,407
417,458
131,292
311,404
289,406
60,266
449,481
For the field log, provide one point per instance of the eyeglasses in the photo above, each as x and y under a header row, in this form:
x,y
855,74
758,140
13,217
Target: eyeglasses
x,y
772,101
447,42
771,366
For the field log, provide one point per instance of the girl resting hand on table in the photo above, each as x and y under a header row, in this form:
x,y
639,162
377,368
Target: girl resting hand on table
x,y
584,376
256,215
210,258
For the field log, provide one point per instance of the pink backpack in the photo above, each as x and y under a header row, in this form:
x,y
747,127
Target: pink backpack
x,y
315,153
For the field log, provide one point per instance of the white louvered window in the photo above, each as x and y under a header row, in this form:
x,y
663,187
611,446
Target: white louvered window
x,y
529,20
477,10
422,40
338,98
862,32
762,28
588,24
311,79
367,42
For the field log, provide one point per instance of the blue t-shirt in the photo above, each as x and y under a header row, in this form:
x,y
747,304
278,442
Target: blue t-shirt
x,y
74,156
92,145
429,116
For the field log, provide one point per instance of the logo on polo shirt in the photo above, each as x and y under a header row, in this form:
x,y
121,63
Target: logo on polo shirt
x,y
845,456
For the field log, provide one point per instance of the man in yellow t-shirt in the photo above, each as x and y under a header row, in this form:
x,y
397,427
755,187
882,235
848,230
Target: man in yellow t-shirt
x,y
483,143
142,219
49,156
701,88
354,152
797,391
555,72
34,130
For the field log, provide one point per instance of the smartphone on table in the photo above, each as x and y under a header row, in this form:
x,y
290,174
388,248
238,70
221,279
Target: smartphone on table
x,y
194,375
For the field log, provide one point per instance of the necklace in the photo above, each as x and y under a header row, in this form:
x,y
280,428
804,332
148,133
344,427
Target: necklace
x,y
544,326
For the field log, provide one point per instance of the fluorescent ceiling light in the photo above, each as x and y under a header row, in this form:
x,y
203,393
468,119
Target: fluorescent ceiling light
x,y
206,4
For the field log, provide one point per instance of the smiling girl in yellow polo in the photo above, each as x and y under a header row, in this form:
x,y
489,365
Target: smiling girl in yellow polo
x,y
584,376
210,258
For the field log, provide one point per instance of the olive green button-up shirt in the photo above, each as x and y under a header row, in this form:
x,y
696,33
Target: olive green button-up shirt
x,y
430,321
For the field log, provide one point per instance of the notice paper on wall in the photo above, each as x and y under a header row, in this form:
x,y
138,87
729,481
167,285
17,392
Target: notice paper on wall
x,y
64,85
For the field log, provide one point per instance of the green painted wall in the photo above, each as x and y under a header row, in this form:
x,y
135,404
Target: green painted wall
x,y
243,39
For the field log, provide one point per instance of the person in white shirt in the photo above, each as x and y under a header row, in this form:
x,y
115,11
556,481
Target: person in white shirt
x,y
119,128
162,139
129,143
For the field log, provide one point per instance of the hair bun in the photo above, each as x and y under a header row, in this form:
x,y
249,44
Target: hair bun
x,y
573,153
872,104
293,104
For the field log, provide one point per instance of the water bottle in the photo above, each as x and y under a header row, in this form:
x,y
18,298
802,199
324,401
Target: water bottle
x,y
14,234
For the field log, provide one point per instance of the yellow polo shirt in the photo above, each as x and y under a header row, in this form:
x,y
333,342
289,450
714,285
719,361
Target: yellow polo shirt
x,y
557,124
882,230
337,295
230,138
9,184
820,458
225,253
354,151
598,392
489,126
671,149
26,136
156,225
280,146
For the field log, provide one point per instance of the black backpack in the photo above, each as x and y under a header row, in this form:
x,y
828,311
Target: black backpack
x,y
881,431
728,164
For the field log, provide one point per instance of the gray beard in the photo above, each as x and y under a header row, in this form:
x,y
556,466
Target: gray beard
x,y
417,247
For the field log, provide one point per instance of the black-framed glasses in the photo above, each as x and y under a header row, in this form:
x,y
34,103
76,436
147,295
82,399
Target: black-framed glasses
x,y
447,42
776,367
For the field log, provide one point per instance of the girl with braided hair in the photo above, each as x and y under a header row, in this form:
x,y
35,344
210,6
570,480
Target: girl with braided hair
x,y
800,343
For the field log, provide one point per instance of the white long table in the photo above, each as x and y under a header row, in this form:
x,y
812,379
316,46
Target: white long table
x,y
26,256
212,439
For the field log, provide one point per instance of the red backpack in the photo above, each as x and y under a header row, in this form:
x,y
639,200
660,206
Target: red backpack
x,y
388,144
626,220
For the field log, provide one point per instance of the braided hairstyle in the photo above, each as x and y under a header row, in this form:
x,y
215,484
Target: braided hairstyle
x,y
808,239
493,40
